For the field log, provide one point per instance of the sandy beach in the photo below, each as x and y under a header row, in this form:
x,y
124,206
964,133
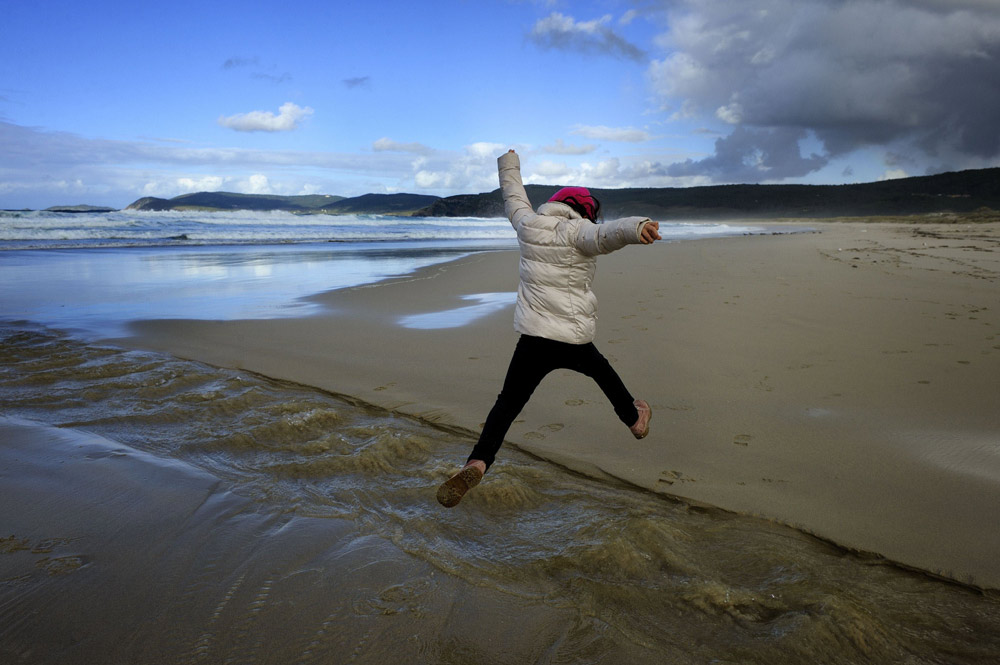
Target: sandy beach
x,y
275,503
842,381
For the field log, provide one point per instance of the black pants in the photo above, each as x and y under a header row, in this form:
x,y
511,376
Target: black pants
x,y
533,359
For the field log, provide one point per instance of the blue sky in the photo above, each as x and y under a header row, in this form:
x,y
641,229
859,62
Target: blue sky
x,y
105,102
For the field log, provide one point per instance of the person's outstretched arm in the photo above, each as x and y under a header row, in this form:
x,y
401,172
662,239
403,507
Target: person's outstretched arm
x,y
594,239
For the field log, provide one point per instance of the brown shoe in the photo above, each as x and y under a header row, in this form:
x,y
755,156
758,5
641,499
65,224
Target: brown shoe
x,y
453,489
641,427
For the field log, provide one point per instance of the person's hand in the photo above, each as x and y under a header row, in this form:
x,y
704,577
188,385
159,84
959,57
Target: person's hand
x,y
650,233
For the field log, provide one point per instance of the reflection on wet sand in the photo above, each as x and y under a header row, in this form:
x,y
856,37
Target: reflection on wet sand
x,y
210,515
85,290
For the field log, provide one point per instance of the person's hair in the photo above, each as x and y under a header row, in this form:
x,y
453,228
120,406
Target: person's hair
x,y
582,209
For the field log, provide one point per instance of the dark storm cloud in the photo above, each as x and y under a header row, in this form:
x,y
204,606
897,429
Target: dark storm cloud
x,y
752,154
918,78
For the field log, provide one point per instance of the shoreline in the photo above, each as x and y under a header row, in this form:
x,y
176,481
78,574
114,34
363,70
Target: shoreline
x,y
111,554
841,382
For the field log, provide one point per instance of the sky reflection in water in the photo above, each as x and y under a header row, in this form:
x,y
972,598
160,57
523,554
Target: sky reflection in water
x,y
99,291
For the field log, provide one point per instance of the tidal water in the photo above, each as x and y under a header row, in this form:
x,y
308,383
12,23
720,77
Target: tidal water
x,y
617,574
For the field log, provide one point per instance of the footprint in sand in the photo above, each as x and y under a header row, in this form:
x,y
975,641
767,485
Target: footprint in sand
x,y
385,387
551,427
742,439
671,477
575,402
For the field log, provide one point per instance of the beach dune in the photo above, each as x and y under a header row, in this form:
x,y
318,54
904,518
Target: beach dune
x,y
843,381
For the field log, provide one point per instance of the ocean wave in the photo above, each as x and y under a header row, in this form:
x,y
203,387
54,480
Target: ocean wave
x,y
46,230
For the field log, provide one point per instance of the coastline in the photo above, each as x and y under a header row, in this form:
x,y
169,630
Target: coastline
x,y
842,382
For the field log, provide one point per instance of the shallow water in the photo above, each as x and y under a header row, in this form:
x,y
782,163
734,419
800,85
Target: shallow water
x,y
645,578
98,291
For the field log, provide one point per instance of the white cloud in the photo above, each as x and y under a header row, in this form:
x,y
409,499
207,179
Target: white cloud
x,y
605,171
288,118
548,169
560,148
115,173
731,114
483,150
204,184
628,17
472,170
893,174
257,184
561,32
385,144
602,133
433,179
608,173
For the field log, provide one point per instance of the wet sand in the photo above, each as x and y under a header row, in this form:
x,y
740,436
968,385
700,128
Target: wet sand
x,y
110,554
843,382
163,510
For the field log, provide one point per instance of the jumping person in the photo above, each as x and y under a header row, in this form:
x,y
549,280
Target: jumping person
x,y
556,312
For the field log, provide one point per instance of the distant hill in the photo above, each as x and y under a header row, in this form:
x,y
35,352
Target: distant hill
x,y
80,208
958,192
230,201
384,204
962,191
371,204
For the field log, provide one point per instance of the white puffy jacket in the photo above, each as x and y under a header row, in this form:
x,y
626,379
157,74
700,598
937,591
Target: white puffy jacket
x,y
559,250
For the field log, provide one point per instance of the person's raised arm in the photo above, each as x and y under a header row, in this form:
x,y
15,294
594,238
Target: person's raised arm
x,y
515,200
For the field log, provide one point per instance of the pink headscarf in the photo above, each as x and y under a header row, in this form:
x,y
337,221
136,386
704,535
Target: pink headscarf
x,y
579,199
